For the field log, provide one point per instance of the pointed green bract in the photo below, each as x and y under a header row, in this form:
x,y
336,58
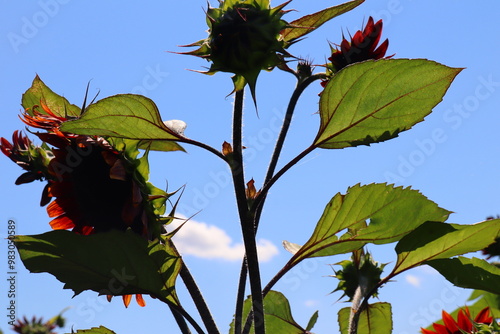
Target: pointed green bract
x,y
437,240
124,116
311,22
94,330
376,213
40,93
374,101
278,316
376,319
111,263
312,321
468,273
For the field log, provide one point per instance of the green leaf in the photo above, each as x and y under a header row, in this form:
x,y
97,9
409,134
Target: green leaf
x,y
376,319
123,116
374,101
94,330
111,263
469,273
309,23
436,240
312,321
39,94
393,212
277,313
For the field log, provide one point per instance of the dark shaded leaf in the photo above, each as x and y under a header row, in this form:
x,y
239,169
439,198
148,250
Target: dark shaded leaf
x,y
111,263
468,273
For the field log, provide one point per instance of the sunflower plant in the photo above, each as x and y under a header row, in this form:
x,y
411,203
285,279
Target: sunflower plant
x,y
107,218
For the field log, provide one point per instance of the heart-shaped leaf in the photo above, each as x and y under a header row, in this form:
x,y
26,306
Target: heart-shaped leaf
x,y
373,101
124,116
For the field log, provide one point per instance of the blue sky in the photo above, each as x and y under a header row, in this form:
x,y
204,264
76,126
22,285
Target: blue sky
x,y
122,47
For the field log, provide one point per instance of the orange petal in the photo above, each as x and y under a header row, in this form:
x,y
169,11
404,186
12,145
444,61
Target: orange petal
x,y
426,331
109,297
126,300
61,223
55,210
140,300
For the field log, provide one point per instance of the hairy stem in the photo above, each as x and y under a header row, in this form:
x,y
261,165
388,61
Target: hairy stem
x,y
246,217
198,300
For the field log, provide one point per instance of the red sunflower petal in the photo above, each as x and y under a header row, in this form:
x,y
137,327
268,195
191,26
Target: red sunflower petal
x,y
464,321
369,28
441,329
450,323
62,223
483,317
427,331
381,50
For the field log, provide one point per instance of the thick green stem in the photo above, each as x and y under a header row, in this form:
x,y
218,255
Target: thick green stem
x,y
259,203
198,300
246,217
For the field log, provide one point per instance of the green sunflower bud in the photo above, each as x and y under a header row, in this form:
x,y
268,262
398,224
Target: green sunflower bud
x,y
244,38
362,271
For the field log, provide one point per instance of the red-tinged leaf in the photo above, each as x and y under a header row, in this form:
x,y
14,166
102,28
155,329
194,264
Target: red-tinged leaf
x,y
40,93
309,23
124,116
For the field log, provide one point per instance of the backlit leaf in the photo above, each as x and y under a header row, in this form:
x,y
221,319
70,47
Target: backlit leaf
x,y
124,116
277,313
376,319
309,23
374,101
94,330
375,213
40,93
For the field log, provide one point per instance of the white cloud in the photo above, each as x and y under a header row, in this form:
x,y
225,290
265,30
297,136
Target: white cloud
x,y
211,242
311,303
413,280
